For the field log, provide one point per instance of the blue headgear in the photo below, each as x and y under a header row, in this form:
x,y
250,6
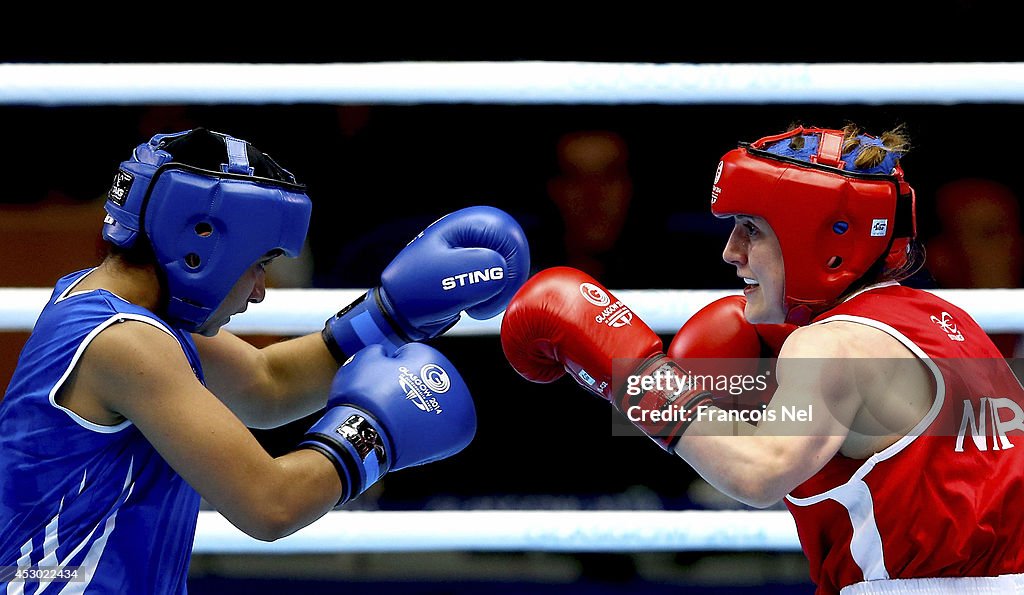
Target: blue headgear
x,y
210,206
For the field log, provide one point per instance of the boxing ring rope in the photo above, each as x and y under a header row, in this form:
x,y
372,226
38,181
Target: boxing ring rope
x,y
299,311
520,530
523,82
287,311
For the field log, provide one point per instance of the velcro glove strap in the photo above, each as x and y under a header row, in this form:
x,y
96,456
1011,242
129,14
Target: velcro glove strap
x,y
356,444
664,412
361,323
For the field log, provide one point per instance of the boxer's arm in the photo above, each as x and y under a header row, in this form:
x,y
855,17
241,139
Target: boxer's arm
x,y
139,372
761,465
267,387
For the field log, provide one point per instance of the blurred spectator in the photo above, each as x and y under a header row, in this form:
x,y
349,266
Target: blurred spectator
x,y
980,241
607,210
590,193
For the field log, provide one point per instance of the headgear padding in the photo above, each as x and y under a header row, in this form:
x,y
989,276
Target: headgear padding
x,y
834,222
210,206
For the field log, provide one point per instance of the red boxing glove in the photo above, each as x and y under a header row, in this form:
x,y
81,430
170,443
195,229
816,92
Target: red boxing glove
x,y
562,320
719,330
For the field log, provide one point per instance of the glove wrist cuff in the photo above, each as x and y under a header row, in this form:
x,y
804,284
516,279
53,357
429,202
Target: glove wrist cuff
x,y
667,410
363,322
356,445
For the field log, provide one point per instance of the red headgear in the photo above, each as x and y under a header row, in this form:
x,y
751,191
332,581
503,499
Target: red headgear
x,y
834,222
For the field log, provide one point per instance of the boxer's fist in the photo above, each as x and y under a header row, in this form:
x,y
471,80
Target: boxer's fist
x,y
388,412
562,320
473,259
719,330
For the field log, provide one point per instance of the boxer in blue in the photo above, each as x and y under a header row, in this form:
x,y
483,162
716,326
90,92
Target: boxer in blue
x,y
130,403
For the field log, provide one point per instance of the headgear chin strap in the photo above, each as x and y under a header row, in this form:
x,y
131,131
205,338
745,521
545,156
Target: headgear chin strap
x,y
210,206
834,222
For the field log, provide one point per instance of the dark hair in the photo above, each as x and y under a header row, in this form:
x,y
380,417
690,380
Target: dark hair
x,y
881,273
204,149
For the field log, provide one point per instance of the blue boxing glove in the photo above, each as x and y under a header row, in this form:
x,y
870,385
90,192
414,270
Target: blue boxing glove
x,y
389,412
474,259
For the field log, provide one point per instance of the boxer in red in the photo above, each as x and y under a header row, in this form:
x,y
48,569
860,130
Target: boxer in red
x,y
901,470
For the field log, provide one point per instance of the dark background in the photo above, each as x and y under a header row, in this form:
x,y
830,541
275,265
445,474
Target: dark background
x,y
537,446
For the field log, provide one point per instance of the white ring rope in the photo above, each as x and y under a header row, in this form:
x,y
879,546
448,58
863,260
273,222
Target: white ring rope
x,y
523,530
290,312
522,82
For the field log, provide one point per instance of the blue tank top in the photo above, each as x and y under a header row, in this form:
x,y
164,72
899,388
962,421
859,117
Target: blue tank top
x,y
75,493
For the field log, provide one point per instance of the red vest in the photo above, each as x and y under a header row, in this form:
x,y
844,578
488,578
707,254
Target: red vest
x,y
948,498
